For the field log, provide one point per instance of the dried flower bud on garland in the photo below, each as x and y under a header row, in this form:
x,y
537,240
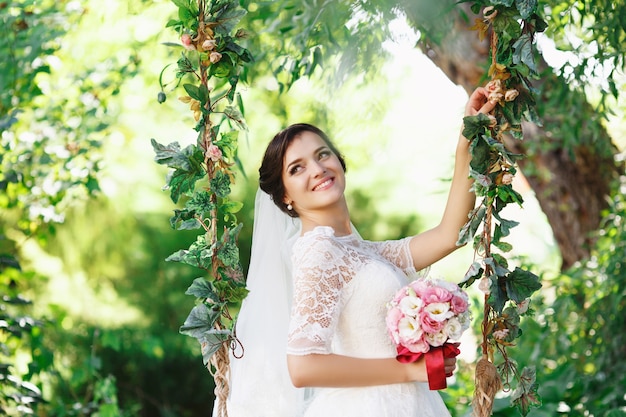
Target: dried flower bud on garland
x,y
511,27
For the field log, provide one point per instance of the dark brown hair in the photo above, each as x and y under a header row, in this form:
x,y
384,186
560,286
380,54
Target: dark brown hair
x,y
271,170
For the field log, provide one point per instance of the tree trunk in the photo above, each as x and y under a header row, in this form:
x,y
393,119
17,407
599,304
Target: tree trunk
x,y
571,177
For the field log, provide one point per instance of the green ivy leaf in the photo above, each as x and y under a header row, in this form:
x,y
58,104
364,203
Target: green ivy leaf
x,y
473,126
200,202
201,288
220,184
525,395
497,297
521,284
181,216
226,15
235,115
473,273
211,341
505,3
183,182
171,155
526,8
505,225
523,52
503,246
200,321
468,231
481,155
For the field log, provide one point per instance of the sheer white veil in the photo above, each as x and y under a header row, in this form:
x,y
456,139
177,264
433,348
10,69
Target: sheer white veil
x,y
259,381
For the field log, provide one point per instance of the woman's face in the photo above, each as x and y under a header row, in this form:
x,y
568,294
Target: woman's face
x,y
312,174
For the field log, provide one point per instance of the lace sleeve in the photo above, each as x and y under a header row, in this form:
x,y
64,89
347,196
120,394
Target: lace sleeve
x,y
397,252
321,268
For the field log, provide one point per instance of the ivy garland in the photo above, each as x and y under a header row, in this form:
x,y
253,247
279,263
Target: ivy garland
x,y
209,70
511,26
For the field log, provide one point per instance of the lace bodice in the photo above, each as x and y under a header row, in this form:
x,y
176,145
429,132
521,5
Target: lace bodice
x,y
341,289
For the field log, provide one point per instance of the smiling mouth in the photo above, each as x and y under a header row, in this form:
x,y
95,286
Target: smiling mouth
x,y
323,185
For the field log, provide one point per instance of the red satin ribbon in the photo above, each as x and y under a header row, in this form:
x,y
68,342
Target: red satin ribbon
x,y
434,362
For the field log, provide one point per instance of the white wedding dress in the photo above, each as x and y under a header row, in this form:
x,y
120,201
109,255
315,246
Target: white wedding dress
x,y
342,285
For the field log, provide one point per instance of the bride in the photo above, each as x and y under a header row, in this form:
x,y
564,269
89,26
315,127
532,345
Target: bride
x,y
313,331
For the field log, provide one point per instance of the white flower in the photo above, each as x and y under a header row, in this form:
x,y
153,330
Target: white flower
x,y
411,305
436,339
453,328
409,328
439,311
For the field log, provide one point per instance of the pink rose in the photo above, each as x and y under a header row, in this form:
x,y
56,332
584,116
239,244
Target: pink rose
x,y
419,286
187,42
459,304
209,44
215,57
418,346
436,295
400,294
494,86
429,324
214,153
394,315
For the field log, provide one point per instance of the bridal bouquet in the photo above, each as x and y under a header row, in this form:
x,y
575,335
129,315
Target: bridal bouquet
x,y
427,318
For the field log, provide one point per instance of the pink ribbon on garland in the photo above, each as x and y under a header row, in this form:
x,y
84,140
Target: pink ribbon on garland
x,y
434,362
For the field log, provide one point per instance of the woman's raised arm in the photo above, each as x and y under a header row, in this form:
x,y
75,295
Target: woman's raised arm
x,y
432,245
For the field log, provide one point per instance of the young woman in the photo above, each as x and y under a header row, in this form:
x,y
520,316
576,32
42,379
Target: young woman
x,y
336,345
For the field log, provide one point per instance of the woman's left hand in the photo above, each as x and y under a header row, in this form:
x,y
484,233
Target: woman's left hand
x,y
479,103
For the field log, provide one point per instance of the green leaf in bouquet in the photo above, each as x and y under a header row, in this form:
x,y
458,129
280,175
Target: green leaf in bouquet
x,y
525,395
521,284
